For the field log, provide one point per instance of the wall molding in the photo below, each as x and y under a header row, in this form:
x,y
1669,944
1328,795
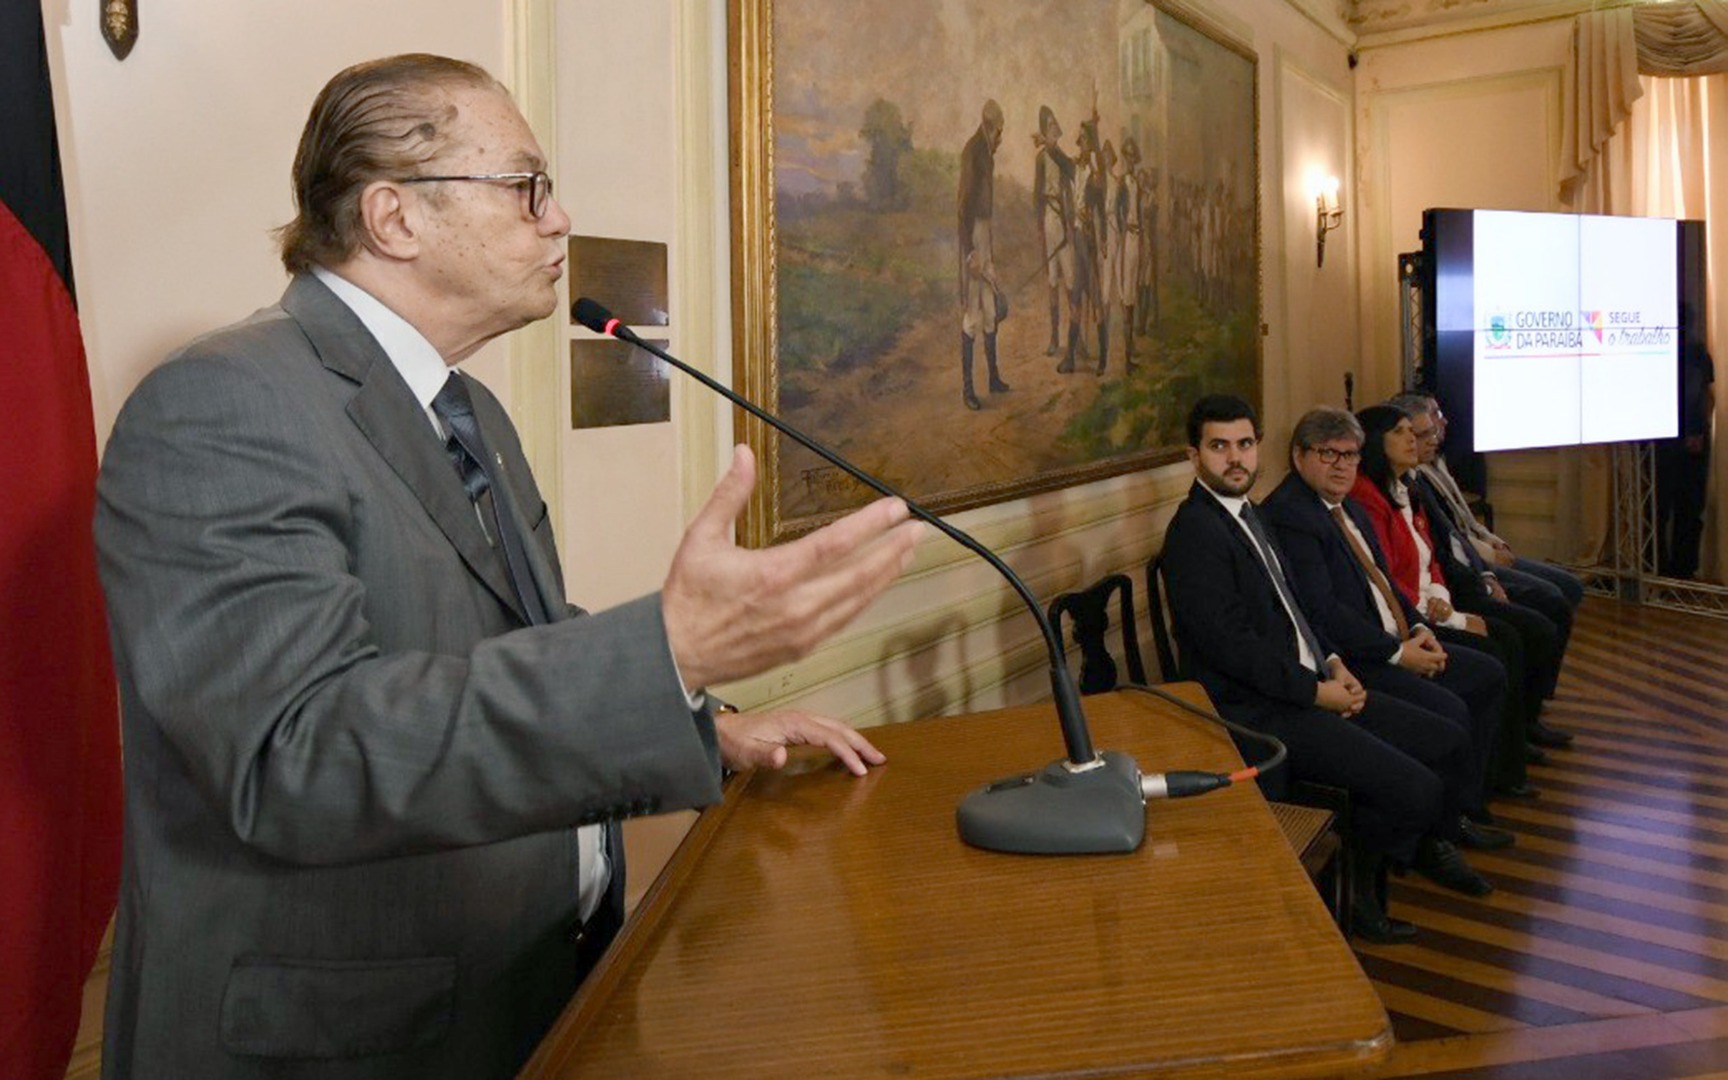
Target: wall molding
x,y
701,274
1332,16
1383,23
1055,542
1299,303
539,376
1379,270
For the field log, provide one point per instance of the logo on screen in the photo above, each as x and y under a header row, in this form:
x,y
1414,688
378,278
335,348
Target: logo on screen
x,y
1594,320
1499,334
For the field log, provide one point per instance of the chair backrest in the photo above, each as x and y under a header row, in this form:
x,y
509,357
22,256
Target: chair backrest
x,y
1089,610
1158,614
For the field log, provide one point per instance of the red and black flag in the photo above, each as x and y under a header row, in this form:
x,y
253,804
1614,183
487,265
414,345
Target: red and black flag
x,y
59,731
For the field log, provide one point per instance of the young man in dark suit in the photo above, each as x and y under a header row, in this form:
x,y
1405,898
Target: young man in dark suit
x,y
1245,637
1341,580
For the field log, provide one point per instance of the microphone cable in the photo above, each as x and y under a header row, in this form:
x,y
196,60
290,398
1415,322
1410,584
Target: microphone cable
x,y
1188,782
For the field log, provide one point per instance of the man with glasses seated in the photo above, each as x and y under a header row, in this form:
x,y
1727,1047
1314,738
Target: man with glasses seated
x,y
1552,590
1542,589
1340,575
374,759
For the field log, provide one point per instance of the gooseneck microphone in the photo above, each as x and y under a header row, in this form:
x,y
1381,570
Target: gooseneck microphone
x,y
1085,803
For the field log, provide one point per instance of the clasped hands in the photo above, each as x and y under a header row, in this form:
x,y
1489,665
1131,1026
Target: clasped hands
x,y
1422,653
1342,693
733,612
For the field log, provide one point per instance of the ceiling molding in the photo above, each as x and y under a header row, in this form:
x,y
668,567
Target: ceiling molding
x,y
1332,16
1379,23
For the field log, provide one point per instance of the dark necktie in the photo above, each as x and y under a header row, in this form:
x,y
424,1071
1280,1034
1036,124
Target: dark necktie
x,y
1375,577
1264,542
475,465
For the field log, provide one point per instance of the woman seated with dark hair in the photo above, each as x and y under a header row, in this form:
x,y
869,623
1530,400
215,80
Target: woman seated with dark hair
x,y
1421,569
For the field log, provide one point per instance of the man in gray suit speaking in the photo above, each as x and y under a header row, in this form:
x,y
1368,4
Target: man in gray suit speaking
x,y
372,756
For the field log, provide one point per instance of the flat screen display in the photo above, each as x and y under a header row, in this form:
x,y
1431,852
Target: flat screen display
x,y
1556,329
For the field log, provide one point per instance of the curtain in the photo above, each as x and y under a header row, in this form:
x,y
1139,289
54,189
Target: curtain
x,y
1669,158
1610,50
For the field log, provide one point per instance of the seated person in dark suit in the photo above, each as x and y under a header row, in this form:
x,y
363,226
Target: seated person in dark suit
x,y
1340,578
1447,592
1549,590
1249,644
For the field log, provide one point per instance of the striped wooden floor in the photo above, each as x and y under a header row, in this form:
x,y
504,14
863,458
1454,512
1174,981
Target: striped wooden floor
x,y
1603,952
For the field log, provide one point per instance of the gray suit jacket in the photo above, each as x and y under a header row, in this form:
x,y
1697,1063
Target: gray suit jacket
x,y
352,773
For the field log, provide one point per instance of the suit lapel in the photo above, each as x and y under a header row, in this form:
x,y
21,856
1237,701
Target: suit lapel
x,y
1238,534
1336,535
384,410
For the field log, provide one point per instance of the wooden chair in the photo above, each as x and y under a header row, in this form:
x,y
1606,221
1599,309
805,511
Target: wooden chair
x,y
1315,817
1089,609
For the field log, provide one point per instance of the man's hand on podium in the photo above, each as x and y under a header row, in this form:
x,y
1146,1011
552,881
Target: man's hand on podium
x,y
759,740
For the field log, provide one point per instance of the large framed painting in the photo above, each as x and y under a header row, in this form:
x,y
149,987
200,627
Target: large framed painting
x,y
985,248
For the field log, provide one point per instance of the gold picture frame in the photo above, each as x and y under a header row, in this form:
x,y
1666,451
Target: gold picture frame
x,y
857,176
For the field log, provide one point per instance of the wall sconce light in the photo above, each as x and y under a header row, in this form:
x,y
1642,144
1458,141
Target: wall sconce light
x,y
1328,215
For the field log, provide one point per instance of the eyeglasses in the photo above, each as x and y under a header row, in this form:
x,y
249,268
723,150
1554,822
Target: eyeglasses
x,y
539,186
1329,456
1430,435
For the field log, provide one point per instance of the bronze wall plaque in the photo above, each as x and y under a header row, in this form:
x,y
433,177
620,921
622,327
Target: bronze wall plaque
x,y
628,276
614,383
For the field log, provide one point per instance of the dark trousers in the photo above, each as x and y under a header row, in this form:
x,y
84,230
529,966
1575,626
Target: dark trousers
x,y
1539,593
1681,482
1539,637
1404,767
1507,766
1558,576
1471,693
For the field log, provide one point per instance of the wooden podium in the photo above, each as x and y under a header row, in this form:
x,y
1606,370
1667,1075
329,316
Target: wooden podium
x,y
818,924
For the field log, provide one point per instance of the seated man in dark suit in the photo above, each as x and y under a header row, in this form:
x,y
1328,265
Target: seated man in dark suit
x,y
1249,644
1550,590
1543,617
1340,578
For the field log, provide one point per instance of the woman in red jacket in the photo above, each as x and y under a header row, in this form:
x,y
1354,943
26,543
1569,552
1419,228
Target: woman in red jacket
x,y
1388,453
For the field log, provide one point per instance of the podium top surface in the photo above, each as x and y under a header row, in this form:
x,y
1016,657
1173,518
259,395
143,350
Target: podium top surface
x,y
820,924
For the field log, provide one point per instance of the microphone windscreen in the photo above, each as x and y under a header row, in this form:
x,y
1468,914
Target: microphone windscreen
x,y
590,314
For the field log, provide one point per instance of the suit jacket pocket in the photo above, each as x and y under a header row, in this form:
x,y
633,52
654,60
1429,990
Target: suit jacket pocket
x,y
276,1007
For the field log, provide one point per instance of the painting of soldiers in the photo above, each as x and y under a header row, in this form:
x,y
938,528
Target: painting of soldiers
x,y
978,288
1129,136
1054,210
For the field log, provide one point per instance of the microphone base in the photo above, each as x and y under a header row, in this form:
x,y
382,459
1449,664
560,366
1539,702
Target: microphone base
x,y
1055,811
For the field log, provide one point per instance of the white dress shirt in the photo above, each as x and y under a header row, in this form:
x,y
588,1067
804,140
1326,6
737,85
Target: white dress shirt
x,y
1431,589
1233,505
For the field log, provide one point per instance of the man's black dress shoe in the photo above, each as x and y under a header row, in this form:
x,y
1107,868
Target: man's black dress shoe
x,y
1534,755
1482,837
1553,738
1441,862
1380,928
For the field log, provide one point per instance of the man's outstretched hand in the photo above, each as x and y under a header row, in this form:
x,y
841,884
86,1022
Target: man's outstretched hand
x,y
732,612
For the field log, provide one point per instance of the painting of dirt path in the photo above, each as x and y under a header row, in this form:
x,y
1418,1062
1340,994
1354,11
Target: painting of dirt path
x,y
1120,218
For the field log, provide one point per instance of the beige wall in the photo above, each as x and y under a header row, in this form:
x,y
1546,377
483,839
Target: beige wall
x,y
1468,119
177,160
